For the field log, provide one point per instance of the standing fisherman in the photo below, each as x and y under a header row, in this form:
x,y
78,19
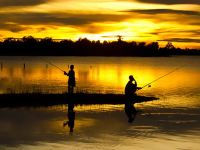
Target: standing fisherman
x,y
130,90
71,80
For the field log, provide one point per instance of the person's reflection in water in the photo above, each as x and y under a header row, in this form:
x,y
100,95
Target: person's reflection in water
x,y
130,96
130,111
71,118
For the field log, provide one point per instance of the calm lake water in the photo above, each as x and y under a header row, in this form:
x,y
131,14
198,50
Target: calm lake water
x,y
172,122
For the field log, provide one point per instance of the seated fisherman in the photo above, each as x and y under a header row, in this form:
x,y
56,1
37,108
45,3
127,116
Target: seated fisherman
x,y
130,90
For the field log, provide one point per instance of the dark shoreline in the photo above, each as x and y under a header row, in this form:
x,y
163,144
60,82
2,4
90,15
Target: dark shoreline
x,y
30,46
38,99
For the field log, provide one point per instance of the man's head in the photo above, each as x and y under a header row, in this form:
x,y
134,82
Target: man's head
x,y
71,67
131,78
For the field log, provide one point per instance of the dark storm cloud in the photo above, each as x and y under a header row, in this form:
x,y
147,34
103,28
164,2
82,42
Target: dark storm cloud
x,y
193,33
57,19
169,2
12,27
185,40
8,3
164,11
179,16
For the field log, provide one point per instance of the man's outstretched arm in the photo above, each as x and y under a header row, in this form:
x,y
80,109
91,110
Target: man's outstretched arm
x,y
65,73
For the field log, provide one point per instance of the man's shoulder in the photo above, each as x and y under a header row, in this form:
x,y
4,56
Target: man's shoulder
x,y
71,71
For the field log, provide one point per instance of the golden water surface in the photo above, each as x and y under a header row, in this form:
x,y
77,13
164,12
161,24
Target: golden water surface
x,y
172,122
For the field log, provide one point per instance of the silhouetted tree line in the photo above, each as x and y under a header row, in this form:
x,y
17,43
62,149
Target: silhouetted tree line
x,y
31,46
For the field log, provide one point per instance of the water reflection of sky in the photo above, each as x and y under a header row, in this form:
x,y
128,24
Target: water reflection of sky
x,y
97,73
106,74
173,120
99,126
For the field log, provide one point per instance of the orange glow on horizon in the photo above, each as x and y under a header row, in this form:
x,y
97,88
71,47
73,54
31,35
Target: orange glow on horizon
x,y
74,19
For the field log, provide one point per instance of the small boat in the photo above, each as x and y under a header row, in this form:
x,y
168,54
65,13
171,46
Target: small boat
x,y
39,99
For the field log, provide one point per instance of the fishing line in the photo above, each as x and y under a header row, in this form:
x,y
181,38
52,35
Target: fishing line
x,y
161,77
50,63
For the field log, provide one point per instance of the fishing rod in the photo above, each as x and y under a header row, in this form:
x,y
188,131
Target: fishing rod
x,y
53,65
149,84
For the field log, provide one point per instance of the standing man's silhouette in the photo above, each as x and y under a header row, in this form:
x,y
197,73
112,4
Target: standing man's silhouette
x,y
71,80
130,94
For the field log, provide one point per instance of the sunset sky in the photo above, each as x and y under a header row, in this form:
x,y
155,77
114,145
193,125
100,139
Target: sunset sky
x,y
177,21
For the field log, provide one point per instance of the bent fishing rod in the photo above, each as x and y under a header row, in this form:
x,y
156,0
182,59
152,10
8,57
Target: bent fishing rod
x,y
50,63
149,84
